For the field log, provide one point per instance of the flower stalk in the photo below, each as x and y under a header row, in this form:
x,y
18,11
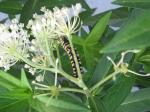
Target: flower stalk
x,y
106,79
78,82
120,67
75,58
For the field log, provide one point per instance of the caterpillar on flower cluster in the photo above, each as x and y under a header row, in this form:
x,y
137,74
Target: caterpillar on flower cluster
x,y
66,46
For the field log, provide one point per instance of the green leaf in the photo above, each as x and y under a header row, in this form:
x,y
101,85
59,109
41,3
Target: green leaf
x,y
78,40
119,15
24,80
91,54
133,35
59,3
102,68
145,58
92,46
15,94
14,101
67,103
15,106
30,7
98,30
11,6
86,16
136,102
117,93
134,3
8,81
96,104
42,107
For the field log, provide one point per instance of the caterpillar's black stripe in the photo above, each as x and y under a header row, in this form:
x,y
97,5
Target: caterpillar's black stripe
x,y
65,44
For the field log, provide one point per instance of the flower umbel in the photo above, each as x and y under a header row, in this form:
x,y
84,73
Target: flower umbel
x,y
67,20
47,28
60,22
42,28
122,67
13,39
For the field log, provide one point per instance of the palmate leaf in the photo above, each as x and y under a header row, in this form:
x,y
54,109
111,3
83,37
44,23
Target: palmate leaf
x,y
14,100
119,15
92,45
86,17
98,30
134,3
60,104
117,93
24,80
136,102
42,107
96,104
101,69
15,94
133,35
8,81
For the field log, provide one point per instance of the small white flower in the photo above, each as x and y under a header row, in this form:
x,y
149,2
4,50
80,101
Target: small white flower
x,y
67,20
32,71
13,39
39,78
26,66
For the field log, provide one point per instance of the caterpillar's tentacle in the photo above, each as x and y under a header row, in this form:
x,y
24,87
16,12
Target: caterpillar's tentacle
x,y
65,44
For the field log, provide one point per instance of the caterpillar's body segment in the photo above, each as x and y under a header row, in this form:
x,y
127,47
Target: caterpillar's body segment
x,y
65,44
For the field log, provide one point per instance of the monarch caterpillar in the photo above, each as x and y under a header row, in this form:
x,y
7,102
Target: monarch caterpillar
x,y
65,44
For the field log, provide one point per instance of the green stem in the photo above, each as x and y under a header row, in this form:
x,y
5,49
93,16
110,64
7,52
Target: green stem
x,y
80,80
58,55
75,58
75,80
64,90
94,104
72,90
50,57
104,80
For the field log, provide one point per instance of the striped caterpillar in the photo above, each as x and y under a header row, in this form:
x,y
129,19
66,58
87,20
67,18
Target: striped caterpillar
x,y
66,46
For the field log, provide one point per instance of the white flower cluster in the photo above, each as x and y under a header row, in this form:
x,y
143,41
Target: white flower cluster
x,y
67,20
13,41
60,22
45,29
48,27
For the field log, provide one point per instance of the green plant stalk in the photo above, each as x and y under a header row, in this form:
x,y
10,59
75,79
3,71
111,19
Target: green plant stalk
x,y
71,90
94,103
75,58
80,80
67,76
58,54
50,57
109,77
45,68
64,90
